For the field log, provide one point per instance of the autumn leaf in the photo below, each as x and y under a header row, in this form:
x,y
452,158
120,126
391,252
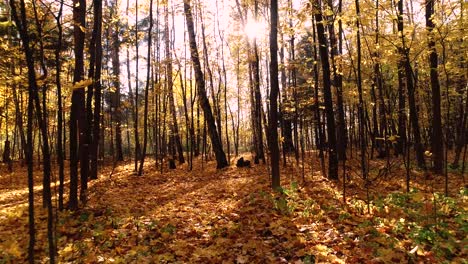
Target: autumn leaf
x,y
82,84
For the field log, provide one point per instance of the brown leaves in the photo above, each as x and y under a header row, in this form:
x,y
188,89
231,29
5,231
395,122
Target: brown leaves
x,y
211,216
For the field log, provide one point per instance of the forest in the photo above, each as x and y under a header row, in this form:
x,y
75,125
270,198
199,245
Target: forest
x,y
233,131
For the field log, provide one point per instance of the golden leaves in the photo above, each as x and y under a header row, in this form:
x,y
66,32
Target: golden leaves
x,y
82,84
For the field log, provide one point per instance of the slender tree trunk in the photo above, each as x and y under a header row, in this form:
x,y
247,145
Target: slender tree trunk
x,y
148,79
286,130
436,138
319,134
402,142
58,68
258,135
169,78
362,133
216,114
29,144
323,50
136,104
409,75
97,91
203,100
76,116
115,96
336,50
274,91
21,22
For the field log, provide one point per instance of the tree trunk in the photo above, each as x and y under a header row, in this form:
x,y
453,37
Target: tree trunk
x,y
362,133
337,81
78,104
274,91
97,90
21,23
286,130
436,138
258,135
202,98
148,79
174,126
323,51
409,75
58,68
115,100
136,104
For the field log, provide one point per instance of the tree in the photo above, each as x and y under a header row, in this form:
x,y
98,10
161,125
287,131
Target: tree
x,y
33,97
336,51
202,98
148,78
96,88
170,84
115,101
362,132
21,25
58,66
323,51
136,103
274,90
410,86
257,118
436,138
77,117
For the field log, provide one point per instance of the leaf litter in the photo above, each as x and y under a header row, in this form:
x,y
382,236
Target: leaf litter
x,y
231,216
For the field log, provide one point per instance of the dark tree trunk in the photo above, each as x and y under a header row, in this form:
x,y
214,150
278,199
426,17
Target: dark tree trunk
x,y
337,82
319,134
115,101
436,138
202,98
97,91
378,82
78,104
323,51
286,130
274,91
258,135
58,68
362,133
19,121
402,141
286,124
409,76
21,23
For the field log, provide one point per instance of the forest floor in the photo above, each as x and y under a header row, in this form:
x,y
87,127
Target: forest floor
x,y
232,216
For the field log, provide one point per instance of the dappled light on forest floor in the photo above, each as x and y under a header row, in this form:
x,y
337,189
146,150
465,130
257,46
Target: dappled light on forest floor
x,y
232,216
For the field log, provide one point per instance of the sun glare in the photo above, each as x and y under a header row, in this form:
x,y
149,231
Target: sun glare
x,y
254,29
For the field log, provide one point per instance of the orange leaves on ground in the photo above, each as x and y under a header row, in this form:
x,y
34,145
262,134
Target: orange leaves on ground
x,y
229,216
